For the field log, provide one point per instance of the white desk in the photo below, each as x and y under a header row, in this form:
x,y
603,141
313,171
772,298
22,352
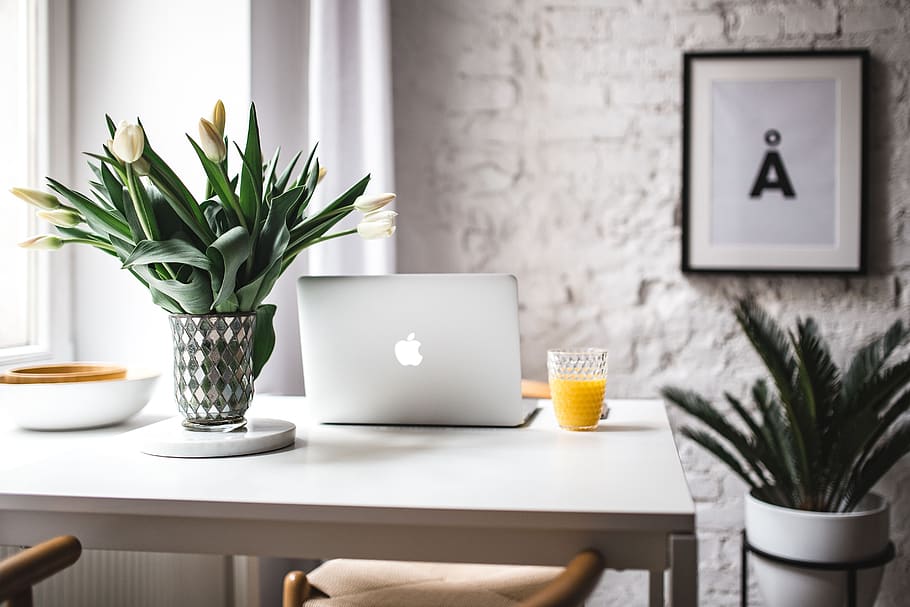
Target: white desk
x,y
532,495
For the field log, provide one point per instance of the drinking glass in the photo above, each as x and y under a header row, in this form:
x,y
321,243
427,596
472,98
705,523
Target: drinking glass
x,y
578,380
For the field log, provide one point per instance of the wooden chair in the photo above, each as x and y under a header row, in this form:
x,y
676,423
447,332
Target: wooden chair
x,y
23,570
354,583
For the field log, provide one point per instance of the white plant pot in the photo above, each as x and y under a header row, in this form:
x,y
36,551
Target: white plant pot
x,y
819,537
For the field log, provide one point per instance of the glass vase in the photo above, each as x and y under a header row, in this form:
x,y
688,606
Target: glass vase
x,y
213,369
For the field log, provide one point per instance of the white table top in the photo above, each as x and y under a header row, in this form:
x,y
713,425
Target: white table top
x,y
625,476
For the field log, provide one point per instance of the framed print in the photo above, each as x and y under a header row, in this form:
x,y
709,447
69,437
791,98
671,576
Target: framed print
x,y
773,154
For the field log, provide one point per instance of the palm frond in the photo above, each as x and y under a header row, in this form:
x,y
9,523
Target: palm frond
x,y
772,345
869,361
708,442
701,409
895,446
863,439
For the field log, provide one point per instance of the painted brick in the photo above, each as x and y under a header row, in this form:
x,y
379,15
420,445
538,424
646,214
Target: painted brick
x,y
701,27
858,21
573,95
804,20
475,94
640,29
649,94
575,23
757,25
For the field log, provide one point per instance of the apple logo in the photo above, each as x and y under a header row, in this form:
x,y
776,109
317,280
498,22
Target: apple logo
x,y
408,352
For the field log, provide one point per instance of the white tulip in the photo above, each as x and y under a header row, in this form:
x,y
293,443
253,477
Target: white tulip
x,y
322,172
142,167
211,141
65,218
378,224
44,242
128,142
369,204
37,198
219,117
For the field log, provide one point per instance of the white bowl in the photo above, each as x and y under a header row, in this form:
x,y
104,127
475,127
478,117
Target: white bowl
x,y
77,405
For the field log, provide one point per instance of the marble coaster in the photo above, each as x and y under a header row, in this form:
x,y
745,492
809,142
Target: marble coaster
x,y
168,438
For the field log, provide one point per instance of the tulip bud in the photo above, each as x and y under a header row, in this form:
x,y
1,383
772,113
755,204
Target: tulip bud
x,y
36,198
218,117
142,167
322,172
46,242
211,141
379,224
109,144
64,218
369,204
129,142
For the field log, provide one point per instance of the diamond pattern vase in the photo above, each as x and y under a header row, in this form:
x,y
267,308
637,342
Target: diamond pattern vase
x,y
213,369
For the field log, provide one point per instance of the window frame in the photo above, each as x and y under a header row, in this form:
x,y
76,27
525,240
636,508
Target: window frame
x,y
46,49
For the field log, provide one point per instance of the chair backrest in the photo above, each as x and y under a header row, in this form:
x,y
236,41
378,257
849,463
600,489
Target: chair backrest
x,y
569,589
23,570
573,585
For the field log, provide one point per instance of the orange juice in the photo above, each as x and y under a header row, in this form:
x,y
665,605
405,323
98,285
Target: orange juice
x,y
578,402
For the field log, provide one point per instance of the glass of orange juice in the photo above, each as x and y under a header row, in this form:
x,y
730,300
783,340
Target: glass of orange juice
x,y
578,380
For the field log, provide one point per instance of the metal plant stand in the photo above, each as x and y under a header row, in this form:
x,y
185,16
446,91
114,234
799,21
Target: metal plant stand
x,y
848,567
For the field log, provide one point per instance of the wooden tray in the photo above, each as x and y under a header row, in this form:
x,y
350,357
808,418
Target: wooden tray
x,y
63,373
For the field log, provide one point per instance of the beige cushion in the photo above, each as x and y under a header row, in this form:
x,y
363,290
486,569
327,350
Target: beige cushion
x,y
354,583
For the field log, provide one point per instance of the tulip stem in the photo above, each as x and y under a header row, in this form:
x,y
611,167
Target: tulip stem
x,y
95,243
315,220
144,220
292,252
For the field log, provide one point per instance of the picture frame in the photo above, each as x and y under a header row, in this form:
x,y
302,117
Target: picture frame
x,y
774,154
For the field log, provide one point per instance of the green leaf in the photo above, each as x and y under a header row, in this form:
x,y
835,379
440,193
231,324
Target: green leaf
x,y
98,219
322,222
216,215
268,181
193,296
251,177
268,253
167,251
219,183
170,223
282,180
306,167
263,337
227,254
113,186
176,193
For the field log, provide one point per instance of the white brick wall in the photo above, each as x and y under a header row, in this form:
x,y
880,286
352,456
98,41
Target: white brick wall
x,y
542,138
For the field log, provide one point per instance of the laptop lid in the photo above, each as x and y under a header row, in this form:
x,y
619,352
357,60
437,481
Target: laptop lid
x,y
437,349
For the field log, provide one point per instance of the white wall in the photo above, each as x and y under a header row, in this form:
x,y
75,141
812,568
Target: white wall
x,y
166,62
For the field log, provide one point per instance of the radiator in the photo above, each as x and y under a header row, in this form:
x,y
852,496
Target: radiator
x,y
104,578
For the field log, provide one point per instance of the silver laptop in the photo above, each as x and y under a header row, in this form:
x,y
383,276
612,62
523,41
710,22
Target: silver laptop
x,y
418,349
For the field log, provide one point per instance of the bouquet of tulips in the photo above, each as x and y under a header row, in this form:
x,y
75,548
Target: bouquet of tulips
x,y
218,253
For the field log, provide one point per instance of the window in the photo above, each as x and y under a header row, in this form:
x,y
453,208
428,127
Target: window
x,y
24,317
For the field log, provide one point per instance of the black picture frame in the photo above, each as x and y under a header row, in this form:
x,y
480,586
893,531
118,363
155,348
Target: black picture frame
x,y
705,213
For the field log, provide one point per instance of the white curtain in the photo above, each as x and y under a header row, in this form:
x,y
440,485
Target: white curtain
x,y
350,115
346,105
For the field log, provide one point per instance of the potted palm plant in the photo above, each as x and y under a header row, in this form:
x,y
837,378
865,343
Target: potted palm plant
x,y
209,260
811,453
